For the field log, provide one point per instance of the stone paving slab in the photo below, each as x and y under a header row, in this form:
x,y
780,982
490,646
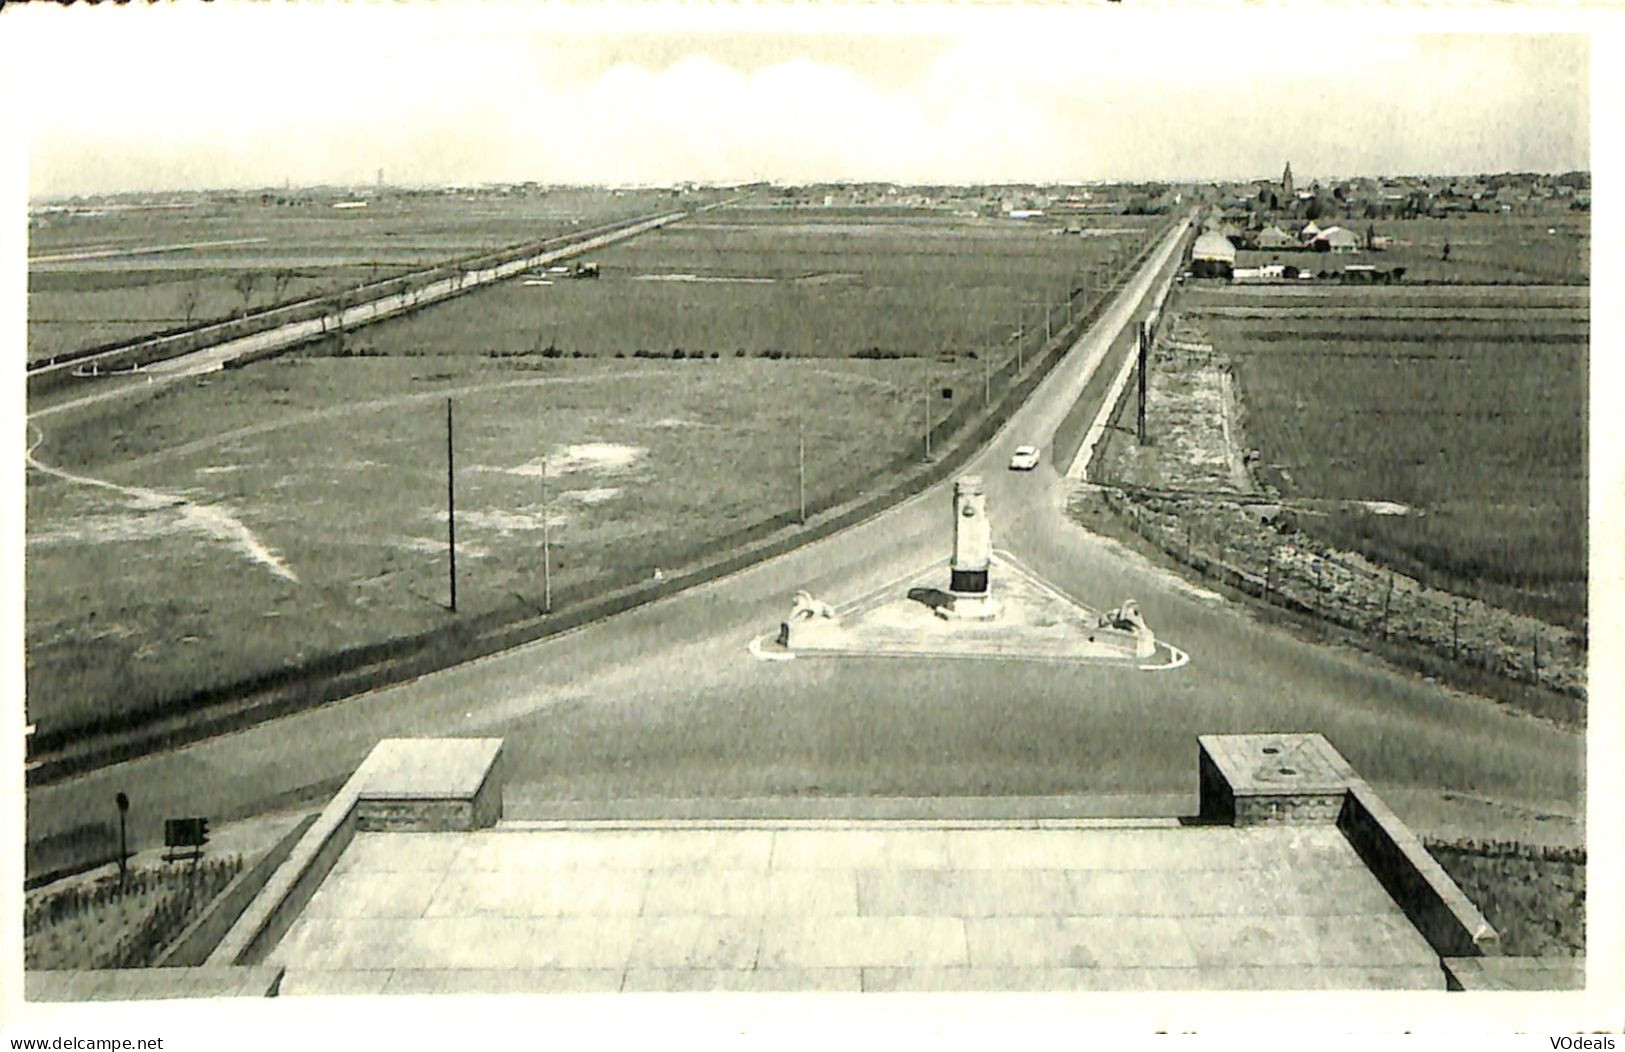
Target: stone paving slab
x,y
798,893
1123,980
853,905
834,942
817,849
977,893
1079,942
504,981
466,893
756,980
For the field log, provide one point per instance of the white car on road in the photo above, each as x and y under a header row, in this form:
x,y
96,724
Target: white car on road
x,y
1025,458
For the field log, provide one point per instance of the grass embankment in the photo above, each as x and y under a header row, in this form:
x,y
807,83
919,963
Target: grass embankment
x,y
114,924
1533,896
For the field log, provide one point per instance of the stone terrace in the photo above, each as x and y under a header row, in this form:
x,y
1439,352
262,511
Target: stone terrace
x,y
853,906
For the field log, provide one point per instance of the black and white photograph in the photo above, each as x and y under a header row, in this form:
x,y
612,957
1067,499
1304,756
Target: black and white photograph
x,y
539,512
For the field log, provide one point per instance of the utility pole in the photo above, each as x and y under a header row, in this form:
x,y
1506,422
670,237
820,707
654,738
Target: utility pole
x,y
123,803
987,377
801,464
451,511
928,420
547,550
1145,342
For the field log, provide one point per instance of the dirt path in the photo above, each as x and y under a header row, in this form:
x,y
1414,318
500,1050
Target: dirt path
x,y
210,520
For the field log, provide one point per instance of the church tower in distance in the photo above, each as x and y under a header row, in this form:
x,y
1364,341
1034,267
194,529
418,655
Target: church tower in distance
x,y
1286,183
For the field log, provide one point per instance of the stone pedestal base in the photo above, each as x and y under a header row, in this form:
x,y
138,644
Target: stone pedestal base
x,y
970,608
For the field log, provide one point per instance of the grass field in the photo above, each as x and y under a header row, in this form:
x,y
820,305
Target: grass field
x,y
89,285
314,484
1471,413
755,282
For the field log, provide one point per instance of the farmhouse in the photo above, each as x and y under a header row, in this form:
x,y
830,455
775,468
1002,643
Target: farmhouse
x,y
1340,240
1275,237
1213,256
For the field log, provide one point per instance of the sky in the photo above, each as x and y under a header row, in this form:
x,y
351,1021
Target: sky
x,y
178,97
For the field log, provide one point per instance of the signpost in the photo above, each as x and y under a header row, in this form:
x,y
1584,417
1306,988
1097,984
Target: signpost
x,y
123,803
184,838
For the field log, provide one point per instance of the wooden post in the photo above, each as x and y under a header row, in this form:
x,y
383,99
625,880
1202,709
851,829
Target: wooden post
x,y
801,466
547,548
1269,572
1387,598
451,512
1140,425
123,803
1021,338
1317,586
928,421
1455,630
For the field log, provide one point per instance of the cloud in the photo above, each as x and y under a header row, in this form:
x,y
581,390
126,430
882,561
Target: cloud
x,y
253,95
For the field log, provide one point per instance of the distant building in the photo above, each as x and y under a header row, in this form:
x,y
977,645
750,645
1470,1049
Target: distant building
x,y
1275,237
1286,183
1310,231
1213,256
1336,239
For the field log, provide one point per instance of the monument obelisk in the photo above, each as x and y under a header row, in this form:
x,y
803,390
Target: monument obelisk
x,y
973,553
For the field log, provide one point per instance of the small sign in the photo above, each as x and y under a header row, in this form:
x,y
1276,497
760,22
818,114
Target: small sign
x,y
185,837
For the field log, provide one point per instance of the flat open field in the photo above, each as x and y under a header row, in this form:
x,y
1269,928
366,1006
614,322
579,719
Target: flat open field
x,y
1484,249
758,282
102,275
227,526
1470,412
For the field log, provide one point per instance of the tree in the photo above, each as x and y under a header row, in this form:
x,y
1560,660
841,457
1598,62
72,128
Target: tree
x,y
189,301
245,284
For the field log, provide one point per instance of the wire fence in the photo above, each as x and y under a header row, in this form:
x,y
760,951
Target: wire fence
x,y
1234,544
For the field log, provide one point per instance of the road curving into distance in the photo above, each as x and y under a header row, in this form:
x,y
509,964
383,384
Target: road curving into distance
x,y
662,709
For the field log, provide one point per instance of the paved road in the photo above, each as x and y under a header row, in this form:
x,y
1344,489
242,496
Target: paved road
x,y
664,702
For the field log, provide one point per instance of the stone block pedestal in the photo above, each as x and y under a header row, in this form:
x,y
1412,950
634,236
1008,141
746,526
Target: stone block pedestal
x,y
1253,779
431,785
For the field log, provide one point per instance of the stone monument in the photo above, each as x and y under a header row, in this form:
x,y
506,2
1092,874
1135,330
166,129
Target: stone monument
x,y
973,553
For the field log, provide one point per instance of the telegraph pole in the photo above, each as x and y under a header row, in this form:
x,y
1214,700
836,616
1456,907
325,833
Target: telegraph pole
x,y
547,550
1145,341
451,512
801,464
928,419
